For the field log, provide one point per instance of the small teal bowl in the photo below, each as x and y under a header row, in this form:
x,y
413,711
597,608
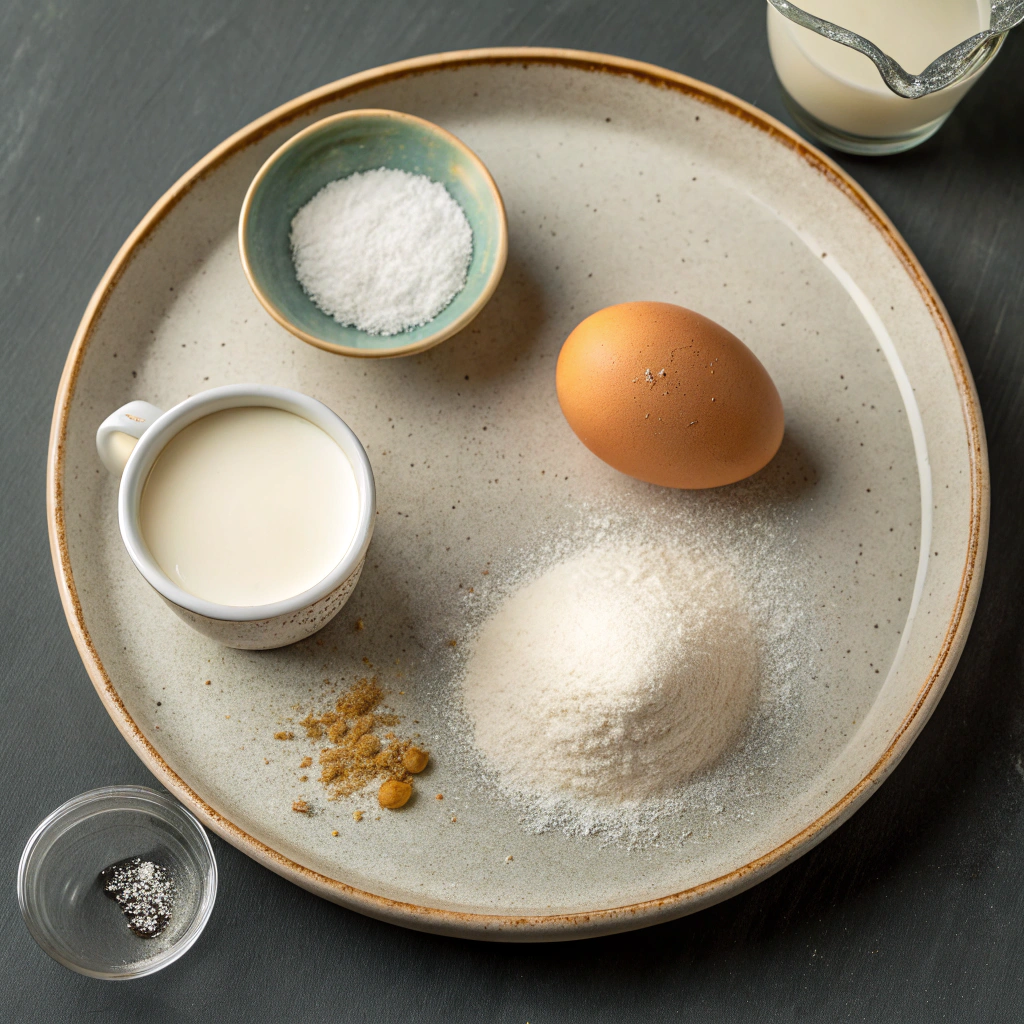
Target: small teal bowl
x,y
361,140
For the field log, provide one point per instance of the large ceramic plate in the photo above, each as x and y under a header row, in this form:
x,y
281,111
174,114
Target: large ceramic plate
x,y
862,543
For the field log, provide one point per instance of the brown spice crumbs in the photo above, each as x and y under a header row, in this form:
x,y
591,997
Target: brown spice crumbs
x,y
207,683
335,832
355,755
306,762
440,796
284,735
357,815
300,807
415,760
394,794
359,625
303,778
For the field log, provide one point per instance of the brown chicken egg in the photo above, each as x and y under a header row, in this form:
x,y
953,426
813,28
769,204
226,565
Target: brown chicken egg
x,y
668,396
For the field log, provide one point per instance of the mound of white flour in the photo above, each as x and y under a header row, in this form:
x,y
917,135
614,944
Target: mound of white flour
x,y
613,677
382,250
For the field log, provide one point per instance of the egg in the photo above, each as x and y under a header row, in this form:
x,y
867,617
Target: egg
x,y
668,396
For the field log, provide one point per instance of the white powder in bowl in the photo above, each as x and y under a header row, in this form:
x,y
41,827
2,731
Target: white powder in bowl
x,y
613,677
382,250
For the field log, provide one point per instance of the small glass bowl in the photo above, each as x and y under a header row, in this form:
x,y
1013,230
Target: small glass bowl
x,y
64,904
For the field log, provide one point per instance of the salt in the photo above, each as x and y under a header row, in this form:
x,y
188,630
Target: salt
x,y
384,250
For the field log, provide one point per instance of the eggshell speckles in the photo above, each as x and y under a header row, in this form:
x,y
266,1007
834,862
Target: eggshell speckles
x,y
668,396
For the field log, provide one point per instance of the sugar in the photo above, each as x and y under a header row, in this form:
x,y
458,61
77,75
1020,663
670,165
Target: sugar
x,y
382,250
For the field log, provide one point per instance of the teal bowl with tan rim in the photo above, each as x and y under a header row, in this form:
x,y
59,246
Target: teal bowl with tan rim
x,y
345,144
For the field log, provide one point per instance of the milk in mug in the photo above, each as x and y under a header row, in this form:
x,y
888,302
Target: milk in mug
x,y
249,506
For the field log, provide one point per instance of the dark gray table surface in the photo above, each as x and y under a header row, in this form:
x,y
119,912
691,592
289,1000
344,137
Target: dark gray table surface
x,y
911,911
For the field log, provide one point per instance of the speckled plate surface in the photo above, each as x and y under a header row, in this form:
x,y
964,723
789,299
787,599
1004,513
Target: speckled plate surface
x,y
862,543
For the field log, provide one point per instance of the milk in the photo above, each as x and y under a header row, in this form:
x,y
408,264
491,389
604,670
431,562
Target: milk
x,y
249,506
843,88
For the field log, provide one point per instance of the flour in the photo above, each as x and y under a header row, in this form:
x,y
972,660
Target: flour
x,y
382,250
614,677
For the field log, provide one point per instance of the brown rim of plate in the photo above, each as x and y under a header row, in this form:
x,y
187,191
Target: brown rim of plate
x,y
399,350
556,926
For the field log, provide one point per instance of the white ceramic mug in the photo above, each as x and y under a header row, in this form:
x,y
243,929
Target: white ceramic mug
x,y
257,627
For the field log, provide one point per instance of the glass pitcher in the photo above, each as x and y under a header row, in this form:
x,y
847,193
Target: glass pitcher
x,y
881,76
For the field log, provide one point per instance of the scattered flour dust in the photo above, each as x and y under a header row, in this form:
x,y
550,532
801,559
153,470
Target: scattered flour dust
x,y
382,250
612,678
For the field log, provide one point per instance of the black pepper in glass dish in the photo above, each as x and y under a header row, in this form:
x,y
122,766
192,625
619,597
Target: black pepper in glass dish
x,y
144,890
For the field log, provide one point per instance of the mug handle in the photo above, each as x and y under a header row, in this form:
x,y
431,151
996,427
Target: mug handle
x,y
120,431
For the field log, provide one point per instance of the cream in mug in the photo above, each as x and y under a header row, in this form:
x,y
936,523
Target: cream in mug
x,y
843,88
249,506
